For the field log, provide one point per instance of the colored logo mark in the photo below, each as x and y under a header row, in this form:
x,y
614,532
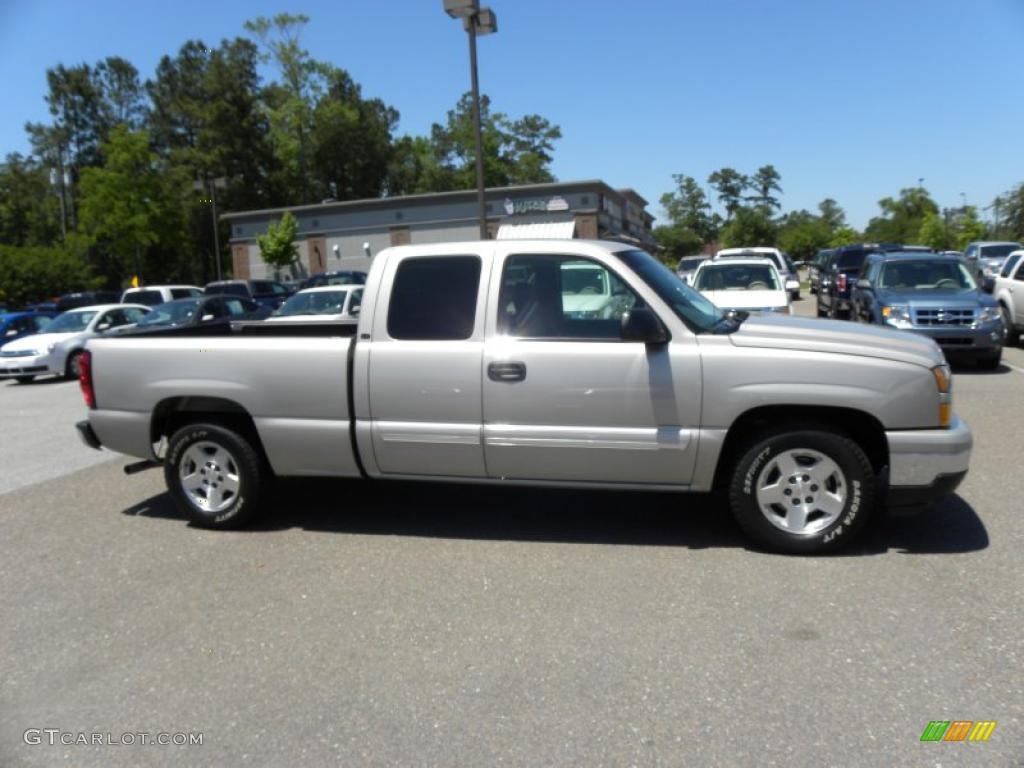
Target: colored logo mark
x,y
958,730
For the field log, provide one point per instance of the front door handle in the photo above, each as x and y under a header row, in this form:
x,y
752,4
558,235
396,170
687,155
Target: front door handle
x,y
506,371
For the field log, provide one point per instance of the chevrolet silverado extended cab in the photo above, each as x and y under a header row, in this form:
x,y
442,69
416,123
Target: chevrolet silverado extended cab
x,y
476,362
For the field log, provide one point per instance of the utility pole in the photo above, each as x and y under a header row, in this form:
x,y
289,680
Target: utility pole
x,y
211,185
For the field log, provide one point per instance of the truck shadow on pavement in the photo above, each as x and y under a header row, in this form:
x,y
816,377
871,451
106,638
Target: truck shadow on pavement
x,y
456,511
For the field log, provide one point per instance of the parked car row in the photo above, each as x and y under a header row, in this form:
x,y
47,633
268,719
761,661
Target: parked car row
x,y
35,343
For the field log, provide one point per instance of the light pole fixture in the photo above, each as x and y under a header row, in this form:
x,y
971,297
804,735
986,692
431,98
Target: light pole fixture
x,y
220,182
476,21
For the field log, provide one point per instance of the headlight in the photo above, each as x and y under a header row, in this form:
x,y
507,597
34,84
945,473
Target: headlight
x,y
944,383
897,315
988,314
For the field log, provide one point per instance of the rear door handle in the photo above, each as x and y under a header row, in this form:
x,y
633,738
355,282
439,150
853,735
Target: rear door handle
x,y
506,371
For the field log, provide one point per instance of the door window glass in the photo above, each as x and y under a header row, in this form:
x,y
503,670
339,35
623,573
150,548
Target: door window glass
x,y
434,298
562,297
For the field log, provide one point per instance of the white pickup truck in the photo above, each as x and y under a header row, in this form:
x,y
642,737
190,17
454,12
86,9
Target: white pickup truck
x,y
473,362
1009,293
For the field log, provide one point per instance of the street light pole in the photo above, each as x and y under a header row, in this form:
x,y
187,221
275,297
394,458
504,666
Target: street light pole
x,y
476,21
216,239
471,24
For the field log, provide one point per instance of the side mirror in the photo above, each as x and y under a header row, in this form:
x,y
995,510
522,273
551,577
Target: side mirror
x,y
864,285
641,324
988,285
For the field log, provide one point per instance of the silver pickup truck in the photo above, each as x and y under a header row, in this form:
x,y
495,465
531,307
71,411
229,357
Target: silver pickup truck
x,y
481,362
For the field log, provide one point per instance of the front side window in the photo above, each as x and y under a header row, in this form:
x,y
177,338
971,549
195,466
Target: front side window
x,y
434,298
562,297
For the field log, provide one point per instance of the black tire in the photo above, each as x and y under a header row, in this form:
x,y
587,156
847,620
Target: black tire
x,y
24,379
71,367
1011,336
990,361
823,534
246,472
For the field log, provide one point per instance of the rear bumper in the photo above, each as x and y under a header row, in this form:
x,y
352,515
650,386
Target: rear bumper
x,y
88,436
926,464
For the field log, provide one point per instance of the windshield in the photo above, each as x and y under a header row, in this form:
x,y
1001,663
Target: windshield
x,y
776,259
697,312
998,251
690,262
737,277
172,313
850,260
70,322
314,303
926,275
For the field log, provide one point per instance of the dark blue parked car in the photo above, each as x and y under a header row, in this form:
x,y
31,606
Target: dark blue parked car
x,y
934,295
14,325
267,293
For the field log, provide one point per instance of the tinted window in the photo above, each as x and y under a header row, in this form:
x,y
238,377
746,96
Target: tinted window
x,y
562,297
356,302
150,298
849,260
997,251
434,298
235,307
233,289
185,293
1009,265
690,262
1020,271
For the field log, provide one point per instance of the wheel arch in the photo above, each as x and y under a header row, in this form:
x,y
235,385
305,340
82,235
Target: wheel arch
x,y
866,430
173,413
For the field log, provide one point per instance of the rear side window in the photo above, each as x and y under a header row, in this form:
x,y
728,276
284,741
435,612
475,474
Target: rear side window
x,y
434,299
850,259
1010,264
185,293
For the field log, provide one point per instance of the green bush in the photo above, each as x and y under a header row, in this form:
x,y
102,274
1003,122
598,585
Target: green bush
x,y
36,273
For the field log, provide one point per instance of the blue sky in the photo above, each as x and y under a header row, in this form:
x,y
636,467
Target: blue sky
x,y
852,99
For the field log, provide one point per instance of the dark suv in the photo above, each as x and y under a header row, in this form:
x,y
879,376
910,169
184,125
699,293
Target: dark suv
x,y
934,295
815,266
837,276
267,293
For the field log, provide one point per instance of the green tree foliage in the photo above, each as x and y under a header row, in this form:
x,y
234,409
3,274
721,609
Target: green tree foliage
x,y
730,185
935,232
844,236
29,208
969,227
277,246
688,208
802,234
901,217
832,215
514,151
749,227
36,273
128,204
674,242
763,183
1011,215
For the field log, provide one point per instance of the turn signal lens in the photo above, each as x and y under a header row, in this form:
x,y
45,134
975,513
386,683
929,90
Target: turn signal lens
x,y
943,378
945,414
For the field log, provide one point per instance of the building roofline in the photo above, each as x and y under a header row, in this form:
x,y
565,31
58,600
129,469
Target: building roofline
x,y
384,202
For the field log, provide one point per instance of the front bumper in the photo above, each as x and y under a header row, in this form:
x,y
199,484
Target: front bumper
x,y
927,464
34,365
964,339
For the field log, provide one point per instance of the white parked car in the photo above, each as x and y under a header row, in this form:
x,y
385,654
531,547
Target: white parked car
x,y
151,295
748,285
782,263
327,302
56,351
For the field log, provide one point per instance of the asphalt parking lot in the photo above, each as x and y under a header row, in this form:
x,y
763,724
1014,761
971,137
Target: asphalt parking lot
x,y
397,624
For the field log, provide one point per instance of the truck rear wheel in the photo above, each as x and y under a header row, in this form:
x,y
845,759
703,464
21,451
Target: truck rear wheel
x,y
803,491
214,475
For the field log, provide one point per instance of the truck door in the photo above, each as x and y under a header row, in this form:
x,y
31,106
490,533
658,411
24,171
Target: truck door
x,y
565,398
424,366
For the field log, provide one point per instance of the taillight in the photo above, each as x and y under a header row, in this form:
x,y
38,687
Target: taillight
x,y
841,282
85,378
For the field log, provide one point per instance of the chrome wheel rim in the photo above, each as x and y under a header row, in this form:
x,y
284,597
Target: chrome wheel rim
x,y
801,491
209,476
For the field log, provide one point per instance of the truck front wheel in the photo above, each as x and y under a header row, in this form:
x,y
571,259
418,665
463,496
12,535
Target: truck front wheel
x,y
803,491
214,475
